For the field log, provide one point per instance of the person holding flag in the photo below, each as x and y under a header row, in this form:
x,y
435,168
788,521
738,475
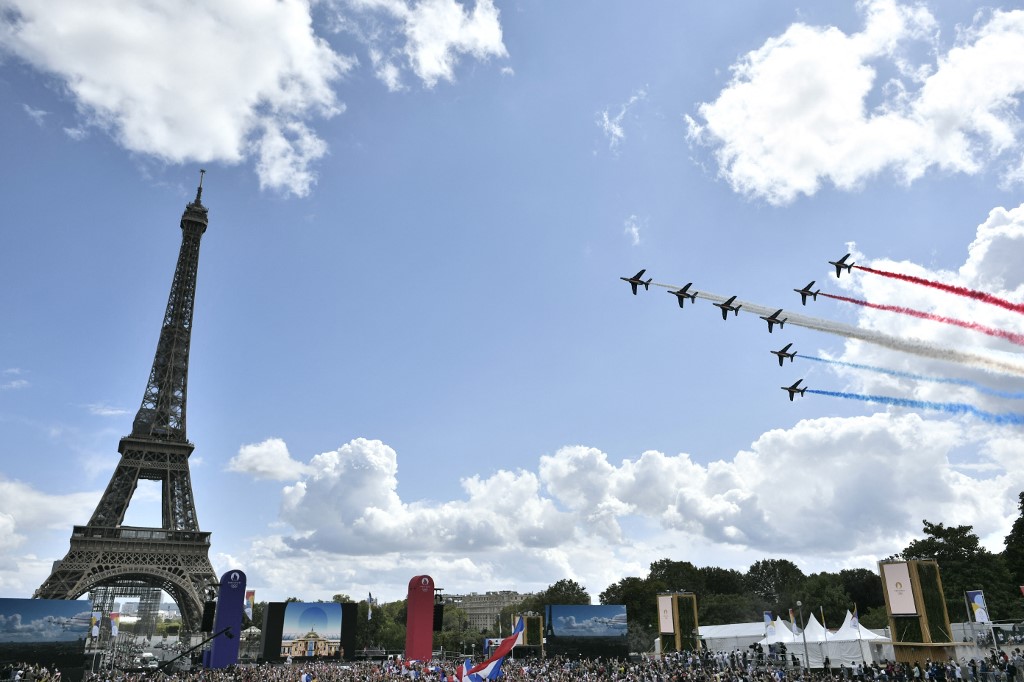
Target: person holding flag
x,y
491,668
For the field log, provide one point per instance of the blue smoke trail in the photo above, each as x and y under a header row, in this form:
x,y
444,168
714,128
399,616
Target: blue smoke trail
x,y
921,377
1009,418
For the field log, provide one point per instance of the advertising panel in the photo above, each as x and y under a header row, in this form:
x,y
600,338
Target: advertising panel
x,y
896,577
665,620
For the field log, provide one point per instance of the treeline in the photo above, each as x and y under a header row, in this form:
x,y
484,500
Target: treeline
x,y
727,595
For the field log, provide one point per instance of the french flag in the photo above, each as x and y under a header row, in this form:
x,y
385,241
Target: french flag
x,y
491,668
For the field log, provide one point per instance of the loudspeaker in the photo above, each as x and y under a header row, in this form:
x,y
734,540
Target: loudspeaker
x,y
438,616
209,608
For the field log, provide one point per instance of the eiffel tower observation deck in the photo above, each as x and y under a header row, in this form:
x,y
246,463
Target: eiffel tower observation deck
x,y
174,557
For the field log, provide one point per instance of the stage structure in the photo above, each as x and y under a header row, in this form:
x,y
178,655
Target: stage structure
x,y
914,601
174,557
677,617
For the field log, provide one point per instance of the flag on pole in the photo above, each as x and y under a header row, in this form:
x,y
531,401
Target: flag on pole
x,y
369,606
855,621
250,600
115,619
491,668
792,621
769,624
976,598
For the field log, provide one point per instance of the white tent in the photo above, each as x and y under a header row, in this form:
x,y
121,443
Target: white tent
x,y
849,645
731,637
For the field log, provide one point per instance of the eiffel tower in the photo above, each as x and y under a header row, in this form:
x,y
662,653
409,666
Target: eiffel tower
x,y
109,558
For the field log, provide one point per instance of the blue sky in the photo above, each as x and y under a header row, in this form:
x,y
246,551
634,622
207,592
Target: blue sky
x,y
412,352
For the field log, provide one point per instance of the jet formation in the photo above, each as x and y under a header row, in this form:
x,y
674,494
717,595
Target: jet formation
x,y
730,306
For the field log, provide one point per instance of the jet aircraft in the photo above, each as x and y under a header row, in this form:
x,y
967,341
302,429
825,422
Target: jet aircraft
x,y
841,263
635,279
681,295
774,319
793,390
784,353
806,291
728,307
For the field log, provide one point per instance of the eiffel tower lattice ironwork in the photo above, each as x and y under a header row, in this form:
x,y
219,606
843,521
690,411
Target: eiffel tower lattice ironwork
x,y
174,557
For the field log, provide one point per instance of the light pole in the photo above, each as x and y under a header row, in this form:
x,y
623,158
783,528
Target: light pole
x,y
803,633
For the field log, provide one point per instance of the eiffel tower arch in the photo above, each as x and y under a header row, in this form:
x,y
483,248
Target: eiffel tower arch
x,y
114,559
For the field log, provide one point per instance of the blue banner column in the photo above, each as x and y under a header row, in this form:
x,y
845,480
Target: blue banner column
x,y
230,603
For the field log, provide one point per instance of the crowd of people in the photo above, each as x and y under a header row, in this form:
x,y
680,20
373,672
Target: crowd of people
x,y
998,666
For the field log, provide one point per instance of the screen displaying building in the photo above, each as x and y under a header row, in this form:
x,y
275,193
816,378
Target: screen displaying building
x,y
51,632
586,630
311,630
300,630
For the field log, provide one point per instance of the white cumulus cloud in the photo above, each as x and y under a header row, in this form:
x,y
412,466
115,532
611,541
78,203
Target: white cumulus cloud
x,y
796,112
267,460
429,38
210,82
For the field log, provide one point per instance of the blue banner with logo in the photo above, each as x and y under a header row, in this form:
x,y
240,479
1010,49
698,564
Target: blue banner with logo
x,y
228,620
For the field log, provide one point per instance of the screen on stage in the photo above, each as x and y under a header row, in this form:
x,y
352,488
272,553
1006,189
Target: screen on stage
x,y
586,630
314,630
47,631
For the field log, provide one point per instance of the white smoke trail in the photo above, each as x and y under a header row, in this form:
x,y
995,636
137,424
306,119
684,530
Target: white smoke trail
x,y
915,346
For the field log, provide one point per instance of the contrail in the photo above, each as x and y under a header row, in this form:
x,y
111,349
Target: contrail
x,y
916,347
950,288
1007,418
974,326
919,377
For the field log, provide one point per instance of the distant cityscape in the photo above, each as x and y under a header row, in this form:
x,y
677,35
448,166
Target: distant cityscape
x,y
483,609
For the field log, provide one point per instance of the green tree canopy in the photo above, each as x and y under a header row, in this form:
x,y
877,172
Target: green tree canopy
x,y
965,565
776,581
1013,554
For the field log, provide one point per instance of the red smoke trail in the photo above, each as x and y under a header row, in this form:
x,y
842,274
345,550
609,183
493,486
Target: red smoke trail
x,y
1009,336
950,288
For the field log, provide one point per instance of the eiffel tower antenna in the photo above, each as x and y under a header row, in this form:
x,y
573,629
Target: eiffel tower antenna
x,y
108,557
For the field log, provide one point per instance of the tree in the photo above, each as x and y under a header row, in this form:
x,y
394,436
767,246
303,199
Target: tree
x,y
675,576
824,596
565,591
721,609
965,565
342,599
864,588
721,580
1013,554
776,581
257,614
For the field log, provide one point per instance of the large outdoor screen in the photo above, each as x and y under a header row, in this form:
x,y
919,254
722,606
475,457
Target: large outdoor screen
x,y
47,631
300,630
586,630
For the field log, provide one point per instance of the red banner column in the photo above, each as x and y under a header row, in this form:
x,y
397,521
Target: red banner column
x,y
419,623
